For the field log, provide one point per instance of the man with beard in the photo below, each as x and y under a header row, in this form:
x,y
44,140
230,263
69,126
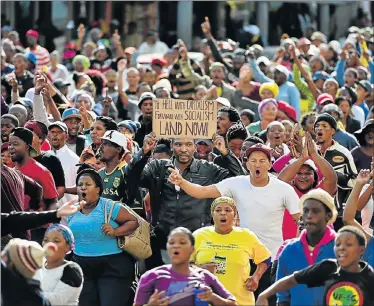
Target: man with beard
x,y
58,135
41,54
339,158
262,217
21,153
146,106
309,171
171,207
75,142
8,123
227,117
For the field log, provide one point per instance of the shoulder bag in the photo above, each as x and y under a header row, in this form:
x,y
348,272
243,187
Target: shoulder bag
x,y
137,243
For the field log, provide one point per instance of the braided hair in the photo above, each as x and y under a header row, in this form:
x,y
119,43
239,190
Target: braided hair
x,y
237,131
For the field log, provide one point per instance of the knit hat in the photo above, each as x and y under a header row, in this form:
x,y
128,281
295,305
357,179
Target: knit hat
x,y
323,197
12,118
273,87
130,125
265,102
289,110
145,96
216,65
39,128
26,136
327,118
83,59
32,33
27,256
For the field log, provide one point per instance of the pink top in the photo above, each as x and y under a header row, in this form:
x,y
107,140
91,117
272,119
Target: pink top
x,y
311,256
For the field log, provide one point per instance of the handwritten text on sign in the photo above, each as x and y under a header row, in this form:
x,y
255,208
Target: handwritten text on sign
x,y
184,118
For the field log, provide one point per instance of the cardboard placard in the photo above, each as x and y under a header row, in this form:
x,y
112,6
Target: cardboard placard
x,y
184,118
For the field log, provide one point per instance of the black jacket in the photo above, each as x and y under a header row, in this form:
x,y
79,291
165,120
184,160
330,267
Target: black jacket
x,y
145,129
20,221
353,125
17,290
176,208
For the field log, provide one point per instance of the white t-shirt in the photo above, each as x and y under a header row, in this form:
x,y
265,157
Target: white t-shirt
x,y
359,114
157,47
61,285
367,212
261,209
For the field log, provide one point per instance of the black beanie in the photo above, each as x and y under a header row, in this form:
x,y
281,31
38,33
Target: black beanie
x,y
327,118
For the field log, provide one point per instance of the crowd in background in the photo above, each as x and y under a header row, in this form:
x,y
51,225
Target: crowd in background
x,y
256,214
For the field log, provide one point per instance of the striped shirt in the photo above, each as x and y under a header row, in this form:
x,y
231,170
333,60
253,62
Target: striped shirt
x,y
42,56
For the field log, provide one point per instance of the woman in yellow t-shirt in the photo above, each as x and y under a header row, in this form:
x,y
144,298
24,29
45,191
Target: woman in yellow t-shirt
x,y
225,250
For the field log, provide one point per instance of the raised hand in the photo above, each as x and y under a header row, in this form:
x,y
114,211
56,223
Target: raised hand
x,y
220,144
156,299
121,65
108,100
81,31
83,110
40,83
363,177
205,26
343,55
116,38
292,51
312,147
150,143
70,208
175,177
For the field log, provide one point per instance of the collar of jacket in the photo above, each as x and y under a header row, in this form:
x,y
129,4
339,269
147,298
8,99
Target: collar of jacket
x,y
193,166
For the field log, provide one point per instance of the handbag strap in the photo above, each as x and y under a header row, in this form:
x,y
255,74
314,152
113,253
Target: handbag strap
x,y
108,216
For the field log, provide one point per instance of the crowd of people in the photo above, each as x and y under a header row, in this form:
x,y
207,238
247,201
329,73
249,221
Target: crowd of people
x,y
277,207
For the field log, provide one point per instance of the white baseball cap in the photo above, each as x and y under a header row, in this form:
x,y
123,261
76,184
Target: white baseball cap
x,y
115,137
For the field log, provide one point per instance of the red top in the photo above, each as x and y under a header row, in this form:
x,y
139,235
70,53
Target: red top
x,y
46,146
41,175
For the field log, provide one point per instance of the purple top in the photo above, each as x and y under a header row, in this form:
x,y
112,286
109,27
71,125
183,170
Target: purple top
x,y
178,287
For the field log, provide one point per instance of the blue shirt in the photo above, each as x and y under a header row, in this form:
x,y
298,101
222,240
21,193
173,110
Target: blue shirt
x,y
293,259
89,238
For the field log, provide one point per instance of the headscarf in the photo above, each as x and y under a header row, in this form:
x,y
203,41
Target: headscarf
x,y
265,102
65,232
226,200
272,86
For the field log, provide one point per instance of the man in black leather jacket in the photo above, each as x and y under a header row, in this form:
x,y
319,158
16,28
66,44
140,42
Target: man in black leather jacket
x,y
170,206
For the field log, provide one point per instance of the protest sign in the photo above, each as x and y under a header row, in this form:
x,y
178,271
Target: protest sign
x,y
184,118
